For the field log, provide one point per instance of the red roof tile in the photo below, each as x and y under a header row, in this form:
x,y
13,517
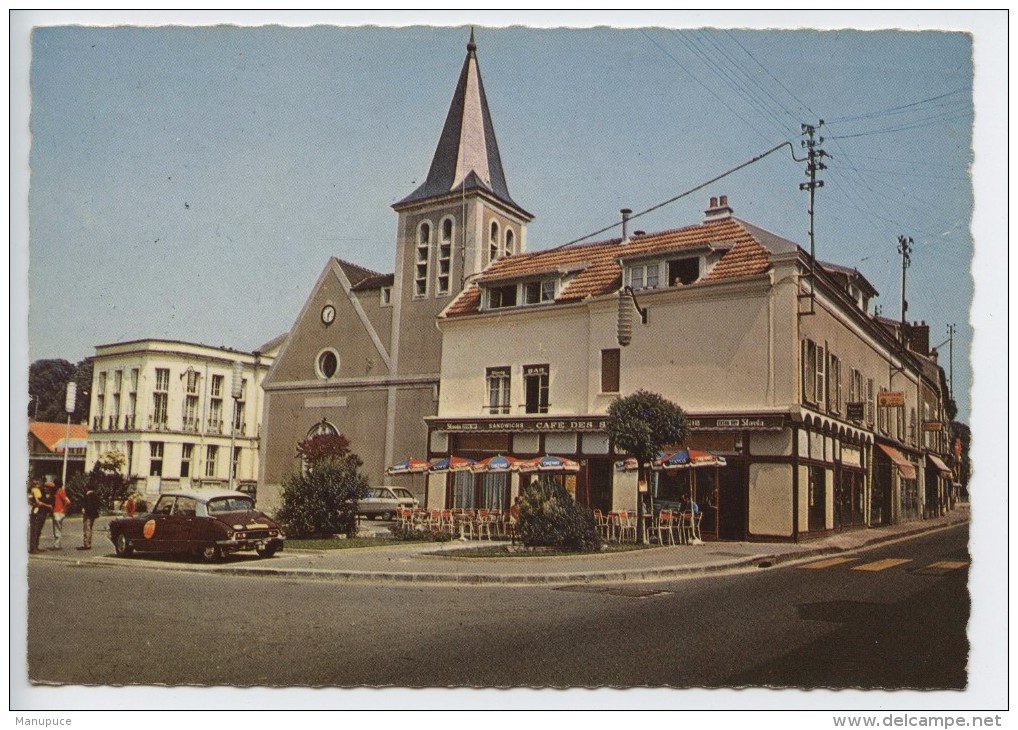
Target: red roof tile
x,y
50,433
601,272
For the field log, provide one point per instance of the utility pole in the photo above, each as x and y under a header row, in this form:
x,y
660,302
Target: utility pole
x,y
951,329
905,249
814,162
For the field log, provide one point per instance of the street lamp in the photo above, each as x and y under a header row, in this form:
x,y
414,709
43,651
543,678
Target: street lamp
x,y
236,390
72,391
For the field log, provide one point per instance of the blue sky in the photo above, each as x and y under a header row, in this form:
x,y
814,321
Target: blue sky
x,y
191,182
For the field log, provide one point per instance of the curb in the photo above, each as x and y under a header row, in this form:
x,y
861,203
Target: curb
x,y
518,579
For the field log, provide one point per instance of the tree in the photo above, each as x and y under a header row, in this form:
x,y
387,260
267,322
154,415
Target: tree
x,y
105,478
641,425
47,389
326,447
322,500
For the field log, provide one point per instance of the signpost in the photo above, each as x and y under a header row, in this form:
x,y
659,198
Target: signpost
x,y
891,399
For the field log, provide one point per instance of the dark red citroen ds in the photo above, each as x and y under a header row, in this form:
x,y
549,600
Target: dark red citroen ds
x,y
207,523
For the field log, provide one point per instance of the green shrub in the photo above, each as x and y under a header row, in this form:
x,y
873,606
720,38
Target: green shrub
x,y
549,516
323,500
408,533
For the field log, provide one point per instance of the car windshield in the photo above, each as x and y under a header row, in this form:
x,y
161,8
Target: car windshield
x,y
403,494
229,504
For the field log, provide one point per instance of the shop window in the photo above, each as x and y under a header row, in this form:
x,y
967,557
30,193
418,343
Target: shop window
x,y
683,271
498,380
610,363
535,386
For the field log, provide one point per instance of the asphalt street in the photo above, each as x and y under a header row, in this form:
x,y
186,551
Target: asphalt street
x,y
891,617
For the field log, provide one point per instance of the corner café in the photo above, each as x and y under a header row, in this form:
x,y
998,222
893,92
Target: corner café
x,y
824,455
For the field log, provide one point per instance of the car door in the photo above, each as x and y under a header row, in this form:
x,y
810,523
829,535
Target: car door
x,y
156,533
183,524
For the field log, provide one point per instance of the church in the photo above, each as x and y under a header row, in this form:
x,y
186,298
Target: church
x,y
363,356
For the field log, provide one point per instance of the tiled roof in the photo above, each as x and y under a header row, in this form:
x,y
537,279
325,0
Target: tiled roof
x,y
356,274
602,273
51,433
374,282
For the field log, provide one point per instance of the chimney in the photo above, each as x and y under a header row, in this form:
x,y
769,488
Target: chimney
x,y
918,337
626,212
718,210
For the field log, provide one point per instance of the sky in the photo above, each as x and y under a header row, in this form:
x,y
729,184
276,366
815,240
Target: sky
x,y
191,182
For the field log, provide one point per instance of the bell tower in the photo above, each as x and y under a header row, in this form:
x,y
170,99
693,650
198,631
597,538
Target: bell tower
x,y
452,226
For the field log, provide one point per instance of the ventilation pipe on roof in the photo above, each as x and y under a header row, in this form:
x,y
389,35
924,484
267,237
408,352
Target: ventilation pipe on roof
x,y
626,212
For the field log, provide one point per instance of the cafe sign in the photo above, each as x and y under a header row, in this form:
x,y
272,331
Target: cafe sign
x,y
891,399
520,425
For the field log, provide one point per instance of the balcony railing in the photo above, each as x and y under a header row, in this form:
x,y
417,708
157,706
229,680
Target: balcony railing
x,y
215,426
158,423
192,424
128,423
113,423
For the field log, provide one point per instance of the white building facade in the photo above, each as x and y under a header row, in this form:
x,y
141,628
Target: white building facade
x,y
183,415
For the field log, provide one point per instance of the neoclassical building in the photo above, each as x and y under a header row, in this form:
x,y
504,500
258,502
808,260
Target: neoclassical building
x,y
363,355
182,414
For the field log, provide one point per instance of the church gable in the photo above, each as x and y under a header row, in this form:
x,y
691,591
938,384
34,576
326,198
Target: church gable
x,y
337,334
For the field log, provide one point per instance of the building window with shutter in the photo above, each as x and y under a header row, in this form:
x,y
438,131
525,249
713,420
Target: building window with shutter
x,y
834,377
535,387
211,454
498,381
610,363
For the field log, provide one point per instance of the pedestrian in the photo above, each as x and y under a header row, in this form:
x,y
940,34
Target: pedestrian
x,y
89,513
60,504
40,509
129,506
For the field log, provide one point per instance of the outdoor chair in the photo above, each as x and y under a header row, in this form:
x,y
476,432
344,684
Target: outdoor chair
x,y
662,525
626,525
447,523
603,524
483,523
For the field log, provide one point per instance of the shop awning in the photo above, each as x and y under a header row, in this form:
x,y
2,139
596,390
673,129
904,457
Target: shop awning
x,y
938,462
905,467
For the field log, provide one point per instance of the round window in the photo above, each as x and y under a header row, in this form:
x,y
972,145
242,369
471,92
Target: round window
x,y
328,363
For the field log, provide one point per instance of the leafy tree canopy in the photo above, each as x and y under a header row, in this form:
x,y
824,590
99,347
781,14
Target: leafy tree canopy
x,y
643,423
326,447
47,389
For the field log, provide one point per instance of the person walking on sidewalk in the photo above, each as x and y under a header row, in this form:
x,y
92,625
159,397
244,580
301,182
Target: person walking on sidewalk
x,y
60,504
40,510
89,513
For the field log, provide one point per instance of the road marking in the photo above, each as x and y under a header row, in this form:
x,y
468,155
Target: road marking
x,y
942,567
829,563
883,564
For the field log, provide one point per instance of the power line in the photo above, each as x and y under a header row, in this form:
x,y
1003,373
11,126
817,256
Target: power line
x,y
889,130
776,79
896,109
707,88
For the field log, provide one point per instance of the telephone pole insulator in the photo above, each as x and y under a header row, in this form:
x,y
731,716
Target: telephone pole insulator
x,y
814,163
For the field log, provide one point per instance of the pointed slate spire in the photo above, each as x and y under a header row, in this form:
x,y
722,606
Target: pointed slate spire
x,y
467,154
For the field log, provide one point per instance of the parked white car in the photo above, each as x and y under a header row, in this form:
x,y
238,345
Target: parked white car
x,y
384,502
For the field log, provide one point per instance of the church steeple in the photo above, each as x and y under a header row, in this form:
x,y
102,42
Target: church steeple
x,y
467,155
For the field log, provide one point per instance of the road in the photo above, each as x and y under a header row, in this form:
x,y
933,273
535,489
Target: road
x,y
890,617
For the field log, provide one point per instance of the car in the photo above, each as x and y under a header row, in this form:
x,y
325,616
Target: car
x,y
385,502
205,523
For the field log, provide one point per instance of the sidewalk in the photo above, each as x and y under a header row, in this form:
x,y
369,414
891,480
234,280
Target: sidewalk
x,y
439,562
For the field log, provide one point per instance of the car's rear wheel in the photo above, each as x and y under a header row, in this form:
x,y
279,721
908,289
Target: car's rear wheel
x,y
211,554
387,516
123,546
267,551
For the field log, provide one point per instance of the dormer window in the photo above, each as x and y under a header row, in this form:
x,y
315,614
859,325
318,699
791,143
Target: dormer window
x,y
643,276
683,271
502,296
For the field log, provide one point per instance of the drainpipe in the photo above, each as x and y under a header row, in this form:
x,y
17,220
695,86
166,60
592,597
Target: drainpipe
x,y
626,212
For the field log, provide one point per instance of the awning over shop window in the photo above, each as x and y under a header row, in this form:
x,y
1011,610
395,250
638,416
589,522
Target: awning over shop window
x,y
937,462
905,467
